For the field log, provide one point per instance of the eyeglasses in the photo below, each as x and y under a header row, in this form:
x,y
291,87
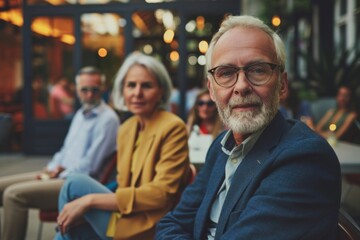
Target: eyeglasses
x,y
207,103
93,90
257,74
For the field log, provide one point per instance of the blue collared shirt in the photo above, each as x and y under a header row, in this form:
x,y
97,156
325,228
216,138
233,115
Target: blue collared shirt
x,y
236,154
90,139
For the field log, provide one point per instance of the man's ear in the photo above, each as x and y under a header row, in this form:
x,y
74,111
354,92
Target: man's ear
x,y
284,86
211,90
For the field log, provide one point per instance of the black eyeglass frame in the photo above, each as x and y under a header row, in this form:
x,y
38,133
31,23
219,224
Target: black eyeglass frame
x,y
245,69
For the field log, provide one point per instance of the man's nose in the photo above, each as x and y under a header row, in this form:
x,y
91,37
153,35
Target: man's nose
x,y
242,85
89,94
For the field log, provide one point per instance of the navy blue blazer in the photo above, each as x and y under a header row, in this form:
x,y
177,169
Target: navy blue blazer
x,y
287,187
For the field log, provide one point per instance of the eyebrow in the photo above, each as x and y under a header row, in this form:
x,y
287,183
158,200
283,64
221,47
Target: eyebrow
x,y
247,64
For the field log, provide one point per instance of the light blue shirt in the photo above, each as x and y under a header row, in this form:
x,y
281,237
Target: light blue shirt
x,y
236,154
90,139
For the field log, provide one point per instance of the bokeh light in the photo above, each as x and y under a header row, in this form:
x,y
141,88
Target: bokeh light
x,y
102,52
276,21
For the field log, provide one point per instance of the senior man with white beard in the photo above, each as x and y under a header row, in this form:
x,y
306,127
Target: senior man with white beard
x,y
266,177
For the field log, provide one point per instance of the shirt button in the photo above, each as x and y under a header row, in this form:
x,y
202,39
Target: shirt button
x,y
234,160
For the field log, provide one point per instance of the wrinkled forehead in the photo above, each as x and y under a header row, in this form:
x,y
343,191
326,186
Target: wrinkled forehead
x,y
245,41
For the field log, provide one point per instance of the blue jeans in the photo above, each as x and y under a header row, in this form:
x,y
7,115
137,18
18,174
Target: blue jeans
x,y
96,221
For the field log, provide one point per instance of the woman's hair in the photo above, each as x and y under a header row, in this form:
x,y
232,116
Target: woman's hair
x,y
194,118
352,104
247,22
153,66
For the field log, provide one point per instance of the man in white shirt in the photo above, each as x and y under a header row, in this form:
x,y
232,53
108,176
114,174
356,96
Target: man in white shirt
x,y
89,141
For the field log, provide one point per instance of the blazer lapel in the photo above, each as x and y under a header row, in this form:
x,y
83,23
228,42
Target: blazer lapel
x,y
250,167
125,155
215,181
144,148
147,140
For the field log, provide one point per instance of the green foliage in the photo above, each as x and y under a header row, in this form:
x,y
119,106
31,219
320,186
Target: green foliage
x,y
328,73
269,8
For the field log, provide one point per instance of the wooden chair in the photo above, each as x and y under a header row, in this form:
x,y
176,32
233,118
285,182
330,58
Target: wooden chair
x,y
109,172
348,228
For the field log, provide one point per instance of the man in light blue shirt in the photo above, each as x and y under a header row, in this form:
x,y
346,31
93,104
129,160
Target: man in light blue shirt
x,y
90,140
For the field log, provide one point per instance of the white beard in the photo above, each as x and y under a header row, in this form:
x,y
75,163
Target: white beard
x,y
90,105
246,122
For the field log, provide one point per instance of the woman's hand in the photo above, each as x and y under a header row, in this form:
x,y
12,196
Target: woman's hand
x,y
72,213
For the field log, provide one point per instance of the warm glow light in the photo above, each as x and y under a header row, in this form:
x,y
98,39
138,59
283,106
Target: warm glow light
x,y
41,28
102,52
55,2
44,27
174,56
40,25
13,16
68,38
332,127
203,46
168,36
276,21
200,22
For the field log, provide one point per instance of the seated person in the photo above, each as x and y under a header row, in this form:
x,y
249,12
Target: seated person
x,y
266,177
153,164
90,140
343,116
203,125
61,100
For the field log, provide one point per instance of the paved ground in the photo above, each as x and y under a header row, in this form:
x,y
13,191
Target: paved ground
x,y
17,163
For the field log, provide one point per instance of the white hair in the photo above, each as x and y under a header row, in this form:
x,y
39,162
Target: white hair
x,y
247,22
152,65
92,71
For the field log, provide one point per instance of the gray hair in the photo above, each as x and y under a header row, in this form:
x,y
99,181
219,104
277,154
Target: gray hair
x,y
247,22
92,71
152,65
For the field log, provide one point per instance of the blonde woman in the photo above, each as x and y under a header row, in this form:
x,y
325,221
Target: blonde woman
x,y
152,165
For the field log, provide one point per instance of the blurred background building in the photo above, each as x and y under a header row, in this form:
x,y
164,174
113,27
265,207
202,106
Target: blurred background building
x,y
44,42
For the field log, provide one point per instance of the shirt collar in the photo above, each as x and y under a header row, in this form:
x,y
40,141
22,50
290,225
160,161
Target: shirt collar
x,y
94,111
229,146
